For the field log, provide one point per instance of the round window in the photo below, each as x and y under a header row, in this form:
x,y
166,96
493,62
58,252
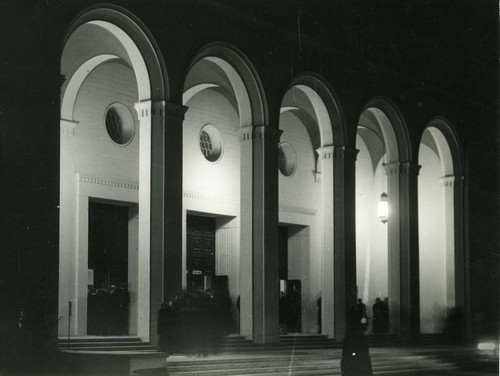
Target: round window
x,y
287,159
210,143
119,124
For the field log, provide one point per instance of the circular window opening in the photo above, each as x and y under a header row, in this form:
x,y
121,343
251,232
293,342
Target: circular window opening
x,y
119,124
210,143
287,159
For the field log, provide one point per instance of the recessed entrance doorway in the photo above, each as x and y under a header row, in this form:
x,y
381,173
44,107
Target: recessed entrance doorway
x,y
200,255
110,236
294,276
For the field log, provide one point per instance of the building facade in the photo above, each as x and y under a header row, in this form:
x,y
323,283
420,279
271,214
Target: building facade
x,y
172,146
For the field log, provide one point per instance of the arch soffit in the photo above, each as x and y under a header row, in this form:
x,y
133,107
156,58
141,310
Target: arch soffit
x,y
71,91
448,146
308,121
134,57
323,100
225,92
141,49
393,129
231,83
244,80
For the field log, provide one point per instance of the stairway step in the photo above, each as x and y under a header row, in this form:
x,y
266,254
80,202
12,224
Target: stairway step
x,y
100,339
414,360
101,343
114,348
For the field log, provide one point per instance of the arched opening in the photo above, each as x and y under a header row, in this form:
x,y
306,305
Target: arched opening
x,y
309,117
223,96
110,68
439,191
381,144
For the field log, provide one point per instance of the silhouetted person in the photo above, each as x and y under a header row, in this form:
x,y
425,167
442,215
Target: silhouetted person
x,y
385,316
378,316
113,313
355,352
283,313
454,325
123,304
101,311
361,312
319,314
168,327
162,329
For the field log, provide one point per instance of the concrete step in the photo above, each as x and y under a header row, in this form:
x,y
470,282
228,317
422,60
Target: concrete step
x,y
390,361
105,344
100,339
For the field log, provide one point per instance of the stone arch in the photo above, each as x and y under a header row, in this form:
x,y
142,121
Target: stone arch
x,y
225,98
393,128
328,110
138,41
246,85
449,135
383,172
97,37
312,120
441,230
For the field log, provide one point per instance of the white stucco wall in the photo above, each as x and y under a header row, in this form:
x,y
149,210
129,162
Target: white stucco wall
x,y
432,249
94,152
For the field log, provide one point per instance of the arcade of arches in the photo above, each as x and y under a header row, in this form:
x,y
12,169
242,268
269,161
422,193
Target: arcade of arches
x,y
220,188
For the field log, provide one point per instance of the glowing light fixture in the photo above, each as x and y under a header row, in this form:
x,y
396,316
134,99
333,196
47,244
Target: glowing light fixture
x,y
383,208
486,346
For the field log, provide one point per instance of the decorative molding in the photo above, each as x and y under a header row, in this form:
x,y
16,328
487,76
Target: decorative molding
x,y
68,127
316,176
345,152
157,109
143,109
448,180
392,168
326,152
396,168
103,181
297,210
199,196
246,133
173,110
259,132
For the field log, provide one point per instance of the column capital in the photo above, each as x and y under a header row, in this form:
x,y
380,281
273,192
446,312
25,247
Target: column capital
x,y
259,132
143,109
448,180
398,168
345,152
68,127
451,180
325,152
157,109
174,110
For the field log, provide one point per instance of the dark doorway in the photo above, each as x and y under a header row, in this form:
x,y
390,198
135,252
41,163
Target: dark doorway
x,y
290,298
200,257
108,243
283,252
294,295
108,297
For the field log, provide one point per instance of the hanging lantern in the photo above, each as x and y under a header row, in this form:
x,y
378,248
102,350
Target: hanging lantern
x,y
383,208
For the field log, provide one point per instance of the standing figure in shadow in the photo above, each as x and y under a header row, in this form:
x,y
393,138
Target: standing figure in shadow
x,y
167,327
378,316
355,351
